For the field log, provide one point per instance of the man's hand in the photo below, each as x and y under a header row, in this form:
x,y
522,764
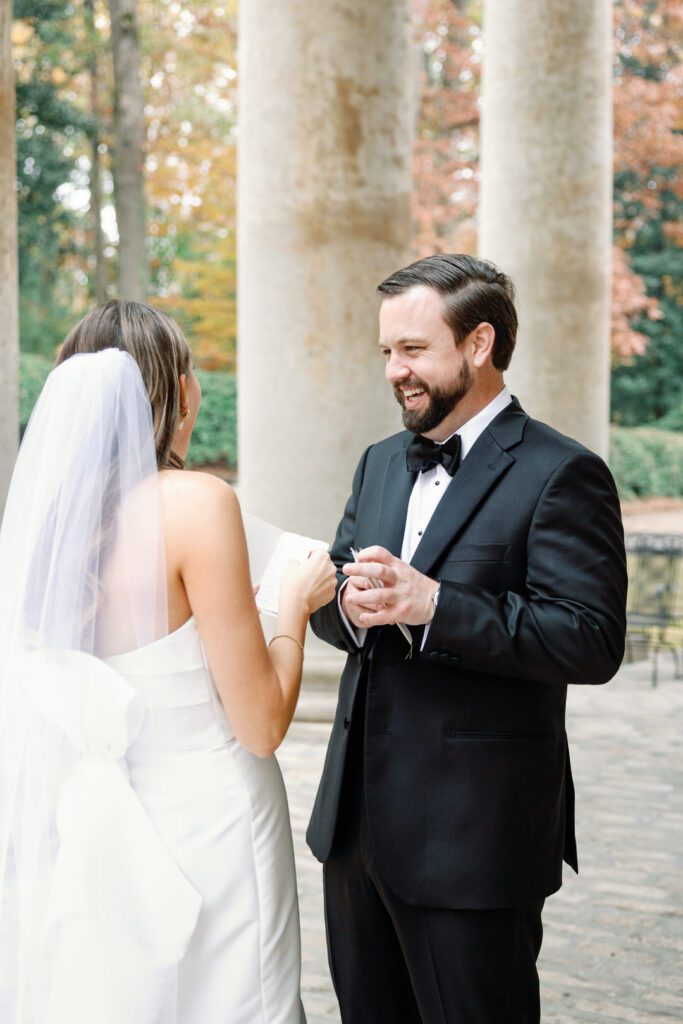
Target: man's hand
x,y
353,600
405,595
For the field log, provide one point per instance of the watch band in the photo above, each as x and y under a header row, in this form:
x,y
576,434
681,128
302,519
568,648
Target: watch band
x,y
435,599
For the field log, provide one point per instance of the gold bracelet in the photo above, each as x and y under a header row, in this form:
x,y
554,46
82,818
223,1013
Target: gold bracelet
x,y
286,636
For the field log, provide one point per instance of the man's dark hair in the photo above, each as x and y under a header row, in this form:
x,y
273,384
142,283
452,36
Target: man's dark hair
x,y
473,291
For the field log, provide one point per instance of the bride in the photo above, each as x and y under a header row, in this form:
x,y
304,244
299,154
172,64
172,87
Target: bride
x,y
146,864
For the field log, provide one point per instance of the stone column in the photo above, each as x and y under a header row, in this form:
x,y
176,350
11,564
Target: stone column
x,y
9,300
545,214
325,132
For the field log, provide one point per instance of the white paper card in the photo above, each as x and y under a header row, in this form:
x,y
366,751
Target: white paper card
x,y
262,538
270,551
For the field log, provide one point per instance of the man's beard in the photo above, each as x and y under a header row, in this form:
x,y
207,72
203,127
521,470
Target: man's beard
x,y
442,401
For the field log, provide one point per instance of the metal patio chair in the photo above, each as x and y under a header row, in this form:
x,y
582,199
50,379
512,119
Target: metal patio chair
x,y
655,596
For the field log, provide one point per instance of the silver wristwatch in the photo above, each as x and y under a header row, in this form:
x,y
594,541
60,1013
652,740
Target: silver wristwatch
x,y
435,600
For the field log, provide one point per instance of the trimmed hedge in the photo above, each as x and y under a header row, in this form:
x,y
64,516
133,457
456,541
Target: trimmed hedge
x,y
672,421
646,462
214,439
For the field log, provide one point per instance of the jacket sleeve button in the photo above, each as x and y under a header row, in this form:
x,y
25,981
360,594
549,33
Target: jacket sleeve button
x,y
347,723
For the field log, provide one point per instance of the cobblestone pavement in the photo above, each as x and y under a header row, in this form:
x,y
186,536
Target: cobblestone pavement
x,y
613,946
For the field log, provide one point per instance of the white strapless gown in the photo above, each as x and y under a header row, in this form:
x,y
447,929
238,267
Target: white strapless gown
x,y
177,857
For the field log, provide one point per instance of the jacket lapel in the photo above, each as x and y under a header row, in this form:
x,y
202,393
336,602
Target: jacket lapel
x,y
483,466
398,483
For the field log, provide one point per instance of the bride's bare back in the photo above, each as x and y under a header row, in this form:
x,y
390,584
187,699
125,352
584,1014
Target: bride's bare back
x,y
208,577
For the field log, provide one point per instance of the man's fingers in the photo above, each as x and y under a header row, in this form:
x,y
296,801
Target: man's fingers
x,y
372,599
365,596
382,617
370,570
376,553
360,583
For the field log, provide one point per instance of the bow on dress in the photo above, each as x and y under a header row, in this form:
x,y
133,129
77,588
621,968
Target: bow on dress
x,y
121,912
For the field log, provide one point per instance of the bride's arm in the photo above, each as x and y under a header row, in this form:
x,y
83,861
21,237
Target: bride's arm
x,y
258,686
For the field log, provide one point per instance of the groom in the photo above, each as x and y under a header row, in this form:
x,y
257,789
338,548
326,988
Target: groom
x,y
446,804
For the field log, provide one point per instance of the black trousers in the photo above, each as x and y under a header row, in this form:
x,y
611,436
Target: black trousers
x,y
392,962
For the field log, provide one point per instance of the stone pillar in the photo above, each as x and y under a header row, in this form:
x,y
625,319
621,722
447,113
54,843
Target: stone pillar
x,y
546,207
9,285
325,132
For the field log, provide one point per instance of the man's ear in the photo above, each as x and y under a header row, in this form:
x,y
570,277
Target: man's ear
x,y
483,342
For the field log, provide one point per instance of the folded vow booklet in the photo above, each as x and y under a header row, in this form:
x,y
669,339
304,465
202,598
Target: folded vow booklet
x,y
270,550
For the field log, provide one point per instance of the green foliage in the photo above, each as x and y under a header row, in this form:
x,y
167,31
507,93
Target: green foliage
x,y
49,128
672,421
215,434
214,439
646,462
33,371
39,10
649,387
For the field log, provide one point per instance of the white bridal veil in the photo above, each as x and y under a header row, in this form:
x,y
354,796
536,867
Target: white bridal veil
x,y
94,914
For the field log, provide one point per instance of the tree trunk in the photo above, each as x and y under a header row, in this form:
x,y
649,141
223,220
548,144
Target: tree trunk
x,y
128,150
9,281
98,283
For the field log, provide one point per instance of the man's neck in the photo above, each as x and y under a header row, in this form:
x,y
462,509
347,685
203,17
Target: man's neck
x,y
476,399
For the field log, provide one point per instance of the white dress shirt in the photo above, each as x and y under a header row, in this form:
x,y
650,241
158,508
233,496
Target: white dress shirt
x,y
428,490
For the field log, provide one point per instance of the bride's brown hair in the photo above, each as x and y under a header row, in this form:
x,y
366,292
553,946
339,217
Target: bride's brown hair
x,y
157,345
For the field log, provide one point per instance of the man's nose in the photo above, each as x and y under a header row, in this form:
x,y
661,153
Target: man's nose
x,y
396,370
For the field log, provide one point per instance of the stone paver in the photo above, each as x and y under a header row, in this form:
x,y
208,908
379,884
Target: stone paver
x,y
613,946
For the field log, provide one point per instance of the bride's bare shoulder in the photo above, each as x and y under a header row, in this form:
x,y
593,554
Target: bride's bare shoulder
x,y
193,481
190,496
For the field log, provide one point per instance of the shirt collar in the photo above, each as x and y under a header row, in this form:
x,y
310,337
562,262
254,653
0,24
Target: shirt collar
x,y
470,431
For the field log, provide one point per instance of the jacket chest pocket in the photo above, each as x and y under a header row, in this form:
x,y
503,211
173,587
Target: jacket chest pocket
x,y
478,553
480,564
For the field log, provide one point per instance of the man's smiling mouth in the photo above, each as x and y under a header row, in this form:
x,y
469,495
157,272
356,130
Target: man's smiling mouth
x,y
412,395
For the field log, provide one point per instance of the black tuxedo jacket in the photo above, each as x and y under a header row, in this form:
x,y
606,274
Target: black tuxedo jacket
x,y
468,785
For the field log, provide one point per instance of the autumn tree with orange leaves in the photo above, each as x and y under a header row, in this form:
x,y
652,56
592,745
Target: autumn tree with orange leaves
x,y
446,157
191,169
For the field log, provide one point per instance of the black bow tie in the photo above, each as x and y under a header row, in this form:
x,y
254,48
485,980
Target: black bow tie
x,y
423,454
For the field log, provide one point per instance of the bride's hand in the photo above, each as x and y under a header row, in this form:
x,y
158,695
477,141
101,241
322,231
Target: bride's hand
x,y
313,582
